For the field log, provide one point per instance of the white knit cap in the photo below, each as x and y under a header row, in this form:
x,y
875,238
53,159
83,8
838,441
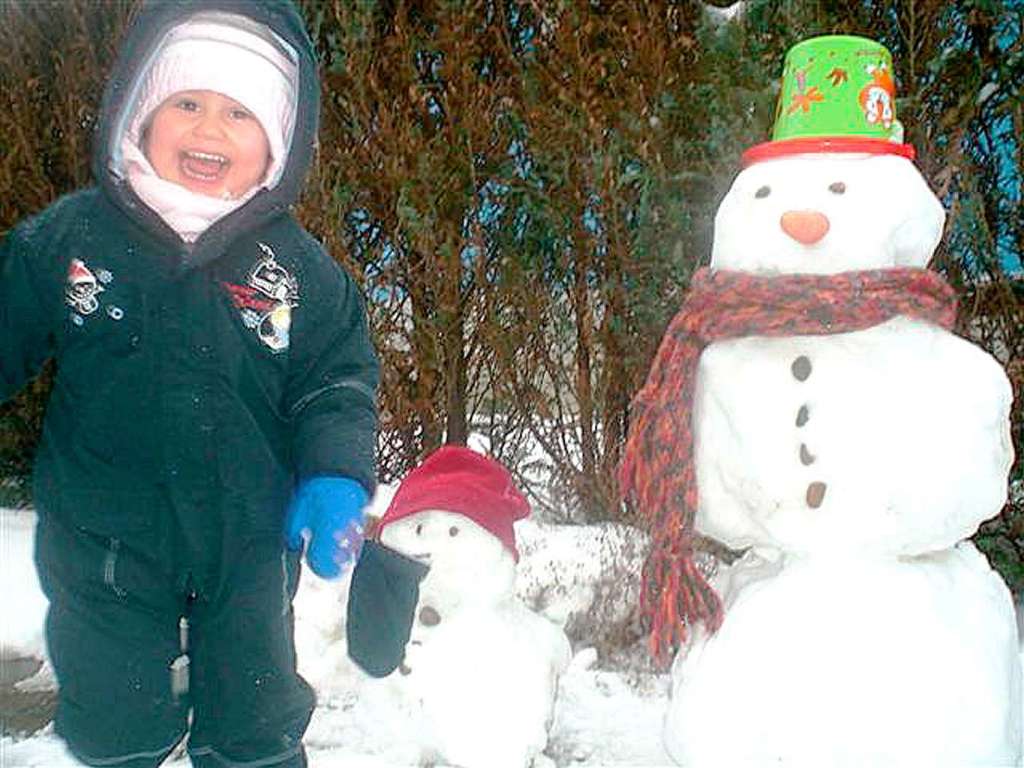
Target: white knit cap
x,y
231,55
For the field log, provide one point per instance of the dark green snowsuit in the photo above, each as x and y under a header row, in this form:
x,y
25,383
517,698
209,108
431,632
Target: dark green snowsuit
x,y
181,418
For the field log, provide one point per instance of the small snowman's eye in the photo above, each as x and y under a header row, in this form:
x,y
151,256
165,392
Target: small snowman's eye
x,y
837,187
419,529
763,191
453,531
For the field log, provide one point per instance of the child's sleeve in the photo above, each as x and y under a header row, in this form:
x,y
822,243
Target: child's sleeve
x,y
333,379
30,293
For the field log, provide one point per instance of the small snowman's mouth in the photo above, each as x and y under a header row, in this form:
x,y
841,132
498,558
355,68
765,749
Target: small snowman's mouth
x,y
203,166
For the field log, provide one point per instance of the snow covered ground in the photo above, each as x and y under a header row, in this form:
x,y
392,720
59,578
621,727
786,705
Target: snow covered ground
x,y
605,714
608,712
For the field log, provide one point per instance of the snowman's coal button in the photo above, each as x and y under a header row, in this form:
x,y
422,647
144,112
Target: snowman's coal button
x,y
801,368
429,617
802,416
805,456
815,494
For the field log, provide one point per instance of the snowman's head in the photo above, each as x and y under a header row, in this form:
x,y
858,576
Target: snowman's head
x,y
825,213
456,513
467,562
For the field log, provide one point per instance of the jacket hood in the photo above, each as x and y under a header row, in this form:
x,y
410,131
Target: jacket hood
x,y
140,46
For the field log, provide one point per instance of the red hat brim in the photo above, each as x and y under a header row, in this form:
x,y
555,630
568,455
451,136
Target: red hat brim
x,y
457,479
772,149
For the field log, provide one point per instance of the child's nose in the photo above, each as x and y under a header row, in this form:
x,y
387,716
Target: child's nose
x,y
209,124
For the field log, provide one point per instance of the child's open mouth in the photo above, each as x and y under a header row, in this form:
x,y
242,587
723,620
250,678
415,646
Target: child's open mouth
x,y
204,166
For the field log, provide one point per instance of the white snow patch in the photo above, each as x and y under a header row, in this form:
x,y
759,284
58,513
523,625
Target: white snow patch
x,y
719,16
602,717
986,92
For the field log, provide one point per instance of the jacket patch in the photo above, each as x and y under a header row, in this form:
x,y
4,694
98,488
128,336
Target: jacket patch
x,y
267,299
84,287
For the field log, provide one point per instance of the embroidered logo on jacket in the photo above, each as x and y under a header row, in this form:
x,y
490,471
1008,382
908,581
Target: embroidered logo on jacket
x,y
82,288
267,299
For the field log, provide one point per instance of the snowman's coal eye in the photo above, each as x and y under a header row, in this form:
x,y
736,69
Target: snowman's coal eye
x,y
763,191
453,531
837,187
419,529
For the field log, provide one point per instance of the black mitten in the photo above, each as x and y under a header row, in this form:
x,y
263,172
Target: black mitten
x,y
381,604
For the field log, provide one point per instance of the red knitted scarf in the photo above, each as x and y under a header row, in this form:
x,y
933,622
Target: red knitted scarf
x,y
658,471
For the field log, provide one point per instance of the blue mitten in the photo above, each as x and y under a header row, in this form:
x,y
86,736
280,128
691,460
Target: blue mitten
x,y
328,511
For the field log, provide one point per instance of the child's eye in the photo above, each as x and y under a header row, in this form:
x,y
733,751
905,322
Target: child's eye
x,y
188,105
240,114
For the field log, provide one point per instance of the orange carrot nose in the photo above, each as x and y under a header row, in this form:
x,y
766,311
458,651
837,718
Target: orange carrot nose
x,y
807,227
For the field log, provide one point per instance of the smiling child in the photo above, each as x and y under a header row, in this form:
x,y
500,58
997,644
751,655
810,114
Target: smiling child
x,y
208,143
214,407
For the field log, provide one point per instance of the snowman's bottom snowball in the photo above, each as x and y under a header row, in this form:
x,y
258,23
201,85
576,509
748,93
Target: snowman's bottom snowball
x,y
478,691
856,662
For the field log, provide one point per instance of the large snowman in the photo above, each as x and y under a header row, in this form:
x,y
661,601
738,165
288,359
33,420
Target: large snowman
x,y
476,687
847,442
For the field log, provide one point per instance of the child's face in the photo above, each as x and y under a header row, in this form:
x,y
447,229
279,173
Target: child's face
x,y
207,143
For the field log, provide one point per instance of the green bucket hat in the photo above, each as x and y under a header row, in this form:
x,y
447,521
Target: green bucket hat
x,y
837,95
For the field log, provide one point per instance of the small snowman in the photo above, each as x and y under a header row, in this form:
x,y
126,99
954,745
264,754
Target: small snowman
x,y
809,407
478,680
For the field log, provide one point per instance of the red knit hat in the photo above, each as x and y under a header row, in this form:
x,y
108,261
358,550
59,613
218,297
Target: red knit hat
x,y
457,479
